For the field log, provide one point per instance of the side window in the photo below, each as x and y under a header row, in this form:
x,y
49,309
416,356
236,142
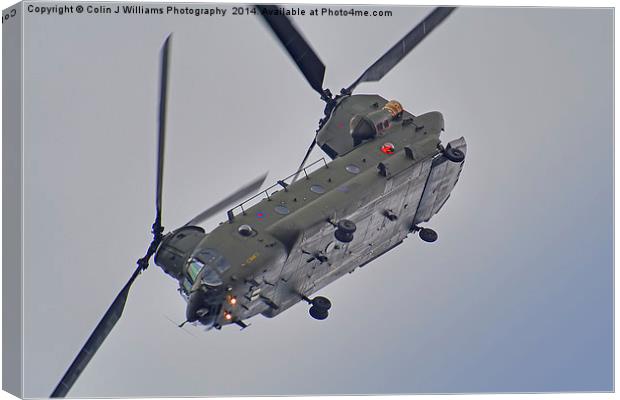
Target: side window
x,y
187,286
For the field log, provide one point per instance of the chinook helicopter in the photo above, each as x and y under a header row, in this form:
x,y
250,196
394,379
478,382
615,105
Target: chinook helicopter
x,y
388,174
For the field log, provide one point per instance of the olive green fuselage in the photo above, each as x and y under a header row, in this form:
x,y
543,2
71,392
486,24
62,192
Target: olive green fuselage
x,y
280,247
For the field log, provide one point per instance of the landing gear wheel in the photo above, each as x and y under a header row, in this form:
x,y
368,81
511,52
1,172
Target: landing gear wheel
x,y
454,155
427,235
318,313
347,226
343,236
344,230
321,302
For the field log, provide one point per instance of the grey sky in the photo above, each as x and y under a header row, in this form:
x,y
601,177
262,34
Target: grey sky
x,y
515,296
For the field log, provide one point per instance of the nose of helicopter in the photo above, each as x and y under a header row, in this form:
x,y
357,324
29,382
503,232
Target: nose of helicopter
x,y
193,305
204,305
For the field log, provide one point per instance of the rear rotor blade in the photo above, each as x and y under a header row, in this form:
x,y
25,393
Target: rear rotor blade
x,y
393,56
95,340
236,196
295,44
161,127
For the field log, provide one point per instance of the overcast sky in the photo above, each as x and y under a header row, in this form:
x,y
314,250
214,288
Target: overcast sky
x,y
516,295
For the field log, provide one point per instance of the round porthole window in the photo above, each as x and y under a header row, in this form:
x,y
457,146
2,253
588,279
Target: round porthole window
x,y
282,210
245,230
352,168
318,189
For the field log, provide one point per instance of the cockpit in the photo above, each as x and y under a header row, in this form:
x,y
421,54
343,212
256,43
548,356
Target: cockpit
x,y
200,272
205,267
193,269
203,286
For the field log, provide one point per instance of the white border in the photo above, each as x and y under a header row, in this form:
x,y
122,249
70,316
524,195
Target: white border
x,y
485,3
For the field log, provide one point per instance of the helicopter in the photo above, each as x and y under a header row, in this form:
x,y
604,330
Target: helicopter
x,y
388,173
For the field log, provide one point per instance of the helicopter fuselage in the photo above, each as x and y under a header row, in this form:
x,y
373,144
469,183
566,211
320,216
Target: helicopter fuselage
x,y
279,247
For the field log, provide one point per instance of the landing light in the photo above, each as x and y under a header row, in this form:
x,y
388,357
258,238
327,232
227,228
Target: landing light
x,y
232,300
227,316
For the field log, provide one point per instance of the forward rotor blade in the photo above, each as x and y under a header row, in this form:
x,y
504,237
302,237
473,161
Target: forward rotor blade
x,y
296,46
303,162
393,56
95,340
115,311
238,195
161,124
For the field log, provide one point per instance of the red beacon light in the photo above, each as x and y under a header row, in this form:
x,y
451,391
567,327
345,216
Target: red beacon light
x,y
387,148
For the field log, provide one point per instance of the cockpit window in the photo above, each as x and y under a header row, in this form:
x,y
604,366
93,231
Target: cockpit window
x,y
214,259
207,265
211,278
194,268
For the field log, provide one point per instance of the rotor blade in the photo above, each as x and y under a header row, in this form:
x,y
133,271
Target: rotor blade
x,y
238,195
393,56
95,340
295,44
161,134
301,166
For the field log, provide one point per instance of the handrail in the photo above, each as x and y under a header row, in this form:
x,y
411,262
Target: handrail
x,y
231,213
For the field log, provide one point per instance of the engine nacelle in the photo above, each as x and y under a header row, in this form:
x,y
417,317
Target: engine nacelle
x,y
371,125
357,118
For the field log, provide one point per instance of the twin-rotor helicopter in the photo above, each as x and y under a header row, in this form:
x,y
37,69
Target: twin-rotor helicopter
x,y
388,173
